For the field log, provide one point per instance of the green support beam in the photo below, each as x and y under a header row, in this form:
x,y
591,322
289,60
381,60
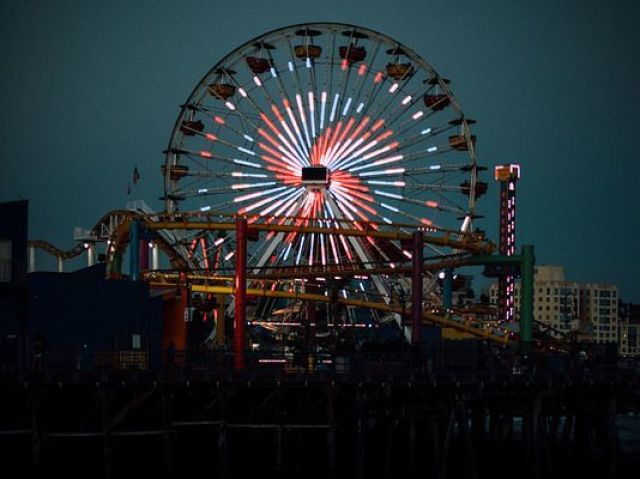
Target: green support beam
x,y
526,260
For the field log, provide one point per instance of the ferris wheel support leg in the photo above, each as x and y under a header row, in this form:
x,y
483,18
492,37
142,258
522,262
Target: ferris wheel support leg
x,y
241,293
416,286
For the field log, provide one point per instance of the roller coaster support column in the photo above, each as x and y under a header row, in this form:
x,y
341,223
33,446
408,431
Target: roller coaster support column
x,y
134,250
241,293
416,286
155,257
526,260
447,289
526,307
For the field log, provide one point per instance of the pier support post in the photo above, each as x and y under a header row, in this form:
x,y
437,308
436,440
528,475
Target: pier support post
x,y
134,250
241,293
447,289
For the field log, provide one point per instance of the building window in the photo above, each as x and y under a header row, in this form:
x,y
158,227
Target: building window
x,y
5,260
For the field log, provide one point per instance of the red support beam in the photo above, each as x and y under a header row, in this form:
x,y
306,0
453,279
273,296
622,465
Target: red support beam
x,y
416,286
240,319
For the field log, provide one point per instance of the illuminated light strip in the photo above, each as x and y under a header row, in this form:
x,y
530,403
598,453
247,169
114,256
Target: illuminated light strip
x,y
263,202
203,190
308,62
335,151
346,107
247,163
427,222
393,88
312,109
334,107
391,171
205,154
300,249
283,161
219,241
256,80
360,107
229,255
242,92
283,202
304,118
426,131
417,115
343,196
334,249
373,154
432,204
286,252
362,69
383,161
296,146
290,65
311,245
219,120
386,220
292,118
346,162
389,207
323,103
211,137
248,138
435,167
274,73
346,149
250,175
230,105
290,159
203,245
431,149
331,139
205,208
250,196
388,195
245,150
406,99
244,186
399,184
277,132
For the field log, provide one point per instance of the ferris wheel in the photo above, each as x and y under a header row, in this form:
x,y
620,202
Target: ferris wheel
x,y
326,125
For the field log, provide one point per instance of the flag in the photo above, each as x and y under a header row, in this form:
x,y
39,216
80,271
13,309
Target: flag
x,y
136,175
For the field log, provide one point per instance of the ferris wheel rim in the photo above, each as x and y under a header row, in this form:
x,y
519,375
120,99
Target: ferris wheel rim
x,y
170,204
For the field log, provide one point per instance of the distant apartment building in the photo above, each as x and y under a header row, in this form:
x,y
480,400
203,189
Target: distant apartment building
x,y
567,306
599,311
629,329
556,301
